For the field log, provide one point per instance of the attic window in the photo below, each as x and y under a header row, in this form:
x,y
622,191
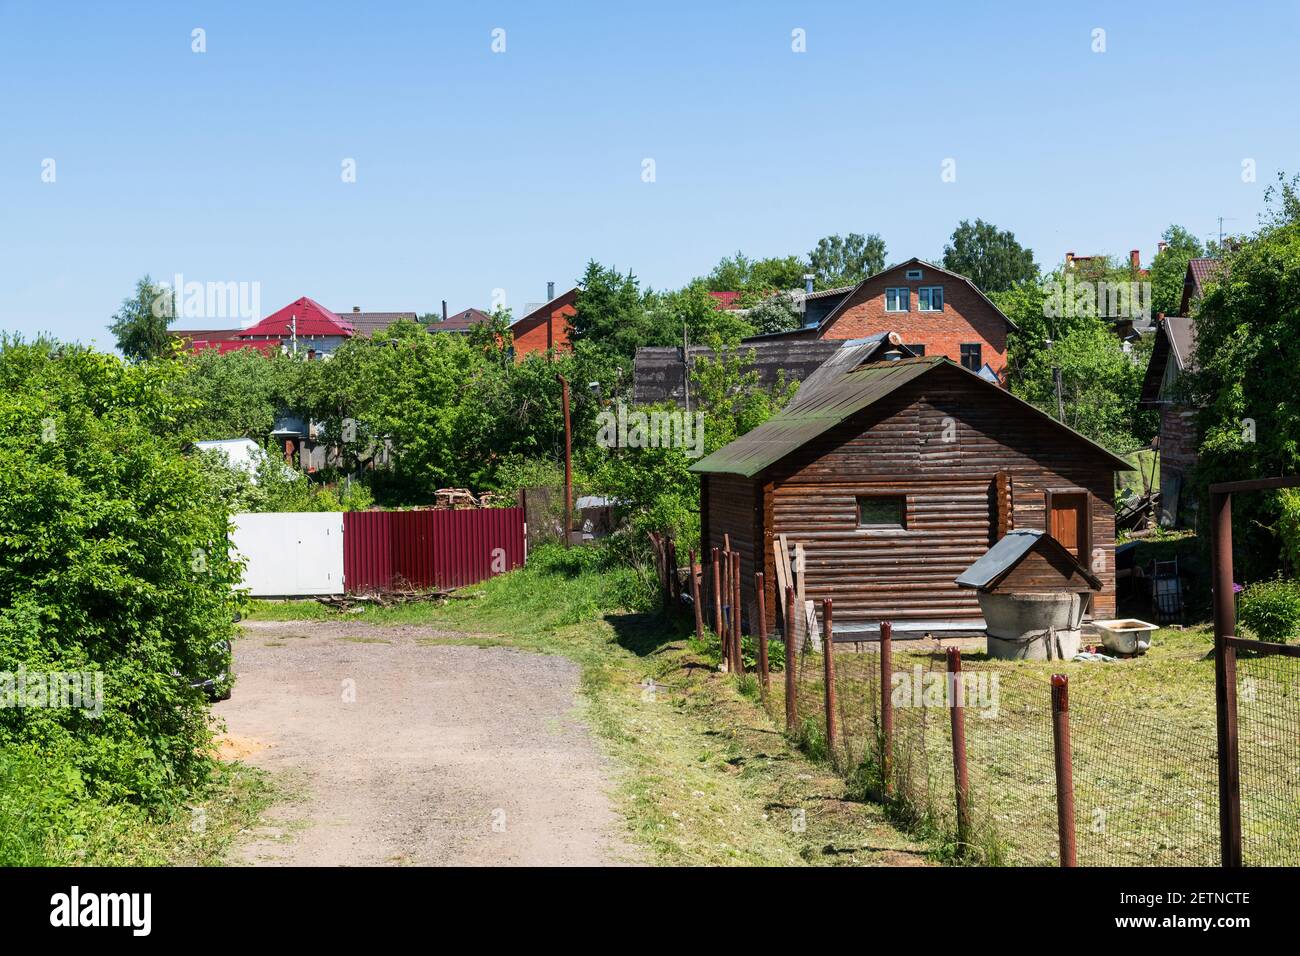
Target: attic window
x,y
882,511
913,274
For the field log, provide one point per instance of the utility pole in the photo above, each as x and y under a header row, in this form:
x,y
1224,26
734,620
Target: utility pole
x,y
568,459
1060,404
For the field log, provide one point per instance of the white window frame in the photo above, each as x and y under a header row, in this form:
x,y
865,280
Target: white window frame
x,y
906,293
929,290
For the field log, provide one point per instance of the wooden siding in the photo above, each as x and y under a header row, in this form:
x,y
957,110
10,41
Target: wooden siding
x,y
734,509
941,441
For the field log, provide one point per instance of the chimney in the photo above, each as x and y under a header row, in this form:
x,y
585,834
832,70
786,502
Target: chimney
x,y
1135,260
807,283
893,355
550,291
1069,258
356,308
1161,246
444,310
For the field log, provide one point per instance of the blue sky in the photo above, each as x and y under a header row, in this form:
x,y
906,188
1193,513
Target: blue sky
x,y
478,170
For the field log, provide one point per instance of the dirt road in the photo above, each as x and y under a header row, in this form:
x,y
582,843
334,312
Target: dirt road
x,y
405,752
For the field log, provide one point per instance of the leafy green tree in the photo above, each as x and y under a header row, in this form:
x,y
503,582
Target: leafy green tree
x,y
114,561
1100,386
1247,376
140,325
989,257
775,313
1169,268
739,273
845,260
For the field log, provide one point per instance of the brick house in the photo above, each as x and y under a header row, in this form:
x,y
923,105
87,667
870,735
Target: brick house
x,y
937,312
547,326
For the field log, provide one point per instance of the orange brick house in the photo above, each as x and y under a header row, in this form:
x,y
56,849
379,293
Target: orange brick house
x,y
546,327
936,312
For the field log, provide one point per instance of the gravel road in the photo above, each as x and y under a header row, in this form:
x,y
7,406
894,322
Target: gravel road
x,y
406,753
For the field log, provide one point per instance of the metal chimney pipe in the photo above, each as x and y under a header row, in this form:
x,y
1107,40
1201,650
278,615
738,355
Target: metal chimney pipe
x,y
444,310
550,291
808,283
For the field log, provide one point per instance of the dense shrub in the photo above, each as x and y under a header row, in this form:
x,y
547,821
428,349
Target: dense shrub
x,y
1271,609
113,561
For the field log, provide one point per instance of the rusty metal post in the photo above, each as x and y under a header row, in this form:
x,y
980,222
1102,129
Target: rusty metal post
x,y
568,461
828,678
886,706
1064,767
736,647
1225,682
717,596
764,676
695,598
957,708
791,659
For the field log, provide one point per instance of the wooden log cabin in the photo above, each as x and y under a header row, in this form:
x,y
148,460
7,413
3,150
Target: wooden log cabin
x,y
895,474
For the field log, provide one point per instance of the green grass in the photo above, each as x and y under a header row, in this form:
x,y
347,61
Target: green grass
x,y
702,776
1143,737
47,819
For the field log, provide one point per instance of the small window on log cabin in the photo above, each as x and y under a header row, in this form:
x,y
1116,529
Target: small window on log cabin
x,y
882,511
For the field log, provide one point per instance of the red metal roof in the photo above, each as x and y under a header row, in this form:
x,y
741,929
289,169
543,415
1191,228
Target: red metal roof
x,y
726,300
312,319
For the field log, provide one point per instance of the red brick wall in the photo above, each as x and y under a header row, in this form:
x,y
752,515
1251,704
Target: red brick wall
x,y
537,333
966,317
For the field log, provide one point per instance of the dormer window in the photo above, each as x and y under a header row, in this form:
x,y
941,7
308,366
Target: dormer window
x,y
929,298
913,275
898,300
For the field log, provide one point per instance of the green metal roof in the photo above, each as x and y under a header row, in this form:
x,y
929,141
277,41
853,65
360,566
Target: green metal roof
x,y
834,392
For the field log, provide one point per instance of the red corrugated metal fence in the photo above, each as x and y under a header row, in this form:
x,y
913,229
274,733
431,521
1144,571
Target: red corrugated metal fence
x,y
386,550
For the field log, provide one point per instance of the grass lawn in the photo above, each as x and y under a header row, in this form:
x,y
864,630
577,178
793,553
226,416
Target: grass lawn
x,y
1144,747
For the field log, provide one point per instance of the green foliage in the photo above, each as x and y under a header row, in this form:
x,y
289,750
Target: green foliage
x,y
775,313
140,325
1247,377
113,560
989,257
739,273
1169,268
845,260
241,393
1271,609
1100,386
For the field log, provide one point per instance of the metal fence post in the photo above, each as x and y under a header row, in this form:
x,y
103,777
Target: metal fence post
x,y
1064,767
828,677
886,706
717,598
695,599
791,659
737,650
957,708
1225,682
764,676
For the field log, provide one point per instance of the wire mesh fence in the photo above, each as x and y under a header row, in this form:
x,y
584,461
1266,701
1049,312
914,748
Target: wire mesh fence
x,y
1143,780
1268,749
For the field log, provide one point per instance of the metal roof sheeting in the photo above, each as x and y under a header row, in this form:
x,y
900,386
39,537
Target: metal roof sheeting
x,y
1000,558
841,387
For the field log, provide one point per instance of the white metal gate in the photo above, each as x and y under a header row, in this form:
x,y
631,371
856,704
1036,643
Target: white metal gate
x,y
291,554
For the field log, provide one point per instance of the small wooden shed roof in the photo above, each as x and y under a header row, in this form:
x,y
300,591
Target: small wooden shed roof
x,y
995,564
841,387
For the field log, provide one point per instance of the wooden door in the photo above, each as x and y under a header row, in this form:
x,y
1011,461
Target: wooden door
x,y
1068,523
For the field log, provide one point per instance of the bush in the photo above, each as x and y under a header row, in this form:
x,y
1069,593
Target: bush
x,y
113,564
1271,609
